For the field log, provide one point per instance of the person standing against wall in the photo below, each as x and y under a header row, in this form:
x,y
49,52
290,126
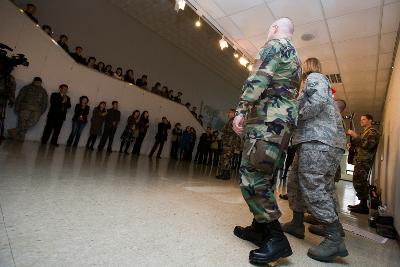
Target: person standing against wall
x,y
110,127
96,124
131,132
59,105
366,146
79,121
176,140
161,137
143,126
31,103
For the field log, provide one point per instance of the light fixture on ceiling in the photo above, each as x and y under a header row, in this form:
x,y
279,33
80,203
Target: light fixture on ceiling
x,y
223,43
243,61
250,67
307,37
198,23
236,55
180,4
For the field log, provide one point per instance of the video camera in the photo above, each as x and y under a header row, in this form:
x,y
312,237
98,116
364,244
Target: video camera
x,y
10,62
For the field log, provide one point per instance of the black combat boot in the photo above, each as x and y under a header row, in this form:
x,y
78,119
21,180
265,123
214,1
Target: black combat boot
x,y
296,226
253,233
361,208
274,248
331,247
225,175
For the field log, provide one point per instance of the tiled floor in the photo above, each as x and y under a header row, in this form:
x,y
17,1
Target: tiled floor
x,y
76,208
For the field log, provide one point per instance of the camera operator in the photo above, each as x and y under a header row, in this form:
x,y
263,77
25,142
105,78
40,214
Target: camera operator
x,y
7,81
7,93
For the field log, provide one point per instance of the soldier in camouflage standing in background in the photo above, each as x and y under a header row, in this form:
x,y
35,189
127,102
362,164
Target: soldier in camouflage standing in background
x,y
366,146
230,142
31,103
266,116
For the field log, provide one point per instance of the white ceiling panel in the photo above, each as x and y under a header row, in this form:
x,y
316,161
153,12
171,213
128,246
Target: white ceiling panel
x,y
335,8
212,8
385,61
259,41
353,64
329,67
322,52
318,29
387,42
254,21
357,47
355,25
391,17
300,11
358,77
230,28
234,6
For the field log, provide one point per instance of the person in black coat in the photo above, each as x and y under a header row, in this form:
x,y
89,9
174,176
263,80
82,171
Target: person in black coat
x,y
143,126
59,105
110,127
79,121
203,147
161,137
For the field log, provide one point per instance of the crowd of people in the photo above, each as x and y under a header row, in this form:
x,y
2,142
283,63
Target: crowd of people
x,y
109,70
32,101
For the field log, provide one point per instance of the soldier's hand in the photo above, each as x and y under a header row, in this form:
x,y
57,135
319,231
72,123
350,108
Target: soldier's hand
x,y
352,133
237,124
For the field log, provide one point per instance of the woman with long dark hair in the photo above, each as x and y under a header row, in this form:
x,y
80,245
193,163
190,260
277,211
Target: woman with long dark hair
x,y
96,124
129,76
143,126
131,131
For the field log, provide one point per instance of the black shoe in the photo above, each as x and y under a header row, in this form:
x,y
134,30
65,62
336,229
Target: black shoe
x,y
362,207
253,233
109,150
273,248
55,144
126,153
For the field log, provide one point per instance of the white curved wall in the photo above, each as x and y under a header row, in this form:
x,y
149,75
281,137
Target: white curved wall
x,y
55,67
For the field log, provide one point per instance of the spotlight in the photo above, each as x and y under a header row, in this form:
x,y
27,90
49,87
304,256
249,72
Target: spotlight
x,y
250,67
223,43
198,23
181,4
243,61
236,55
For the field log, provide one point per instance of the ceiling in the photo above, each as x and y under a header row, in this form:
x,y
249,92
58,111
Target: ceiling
x,y
354,38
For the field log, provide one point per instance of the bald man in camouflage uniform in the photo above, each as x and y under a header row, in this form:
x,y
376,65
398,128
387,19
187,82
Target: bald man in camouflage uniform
x,y
230,142
31,103
268,111
366,146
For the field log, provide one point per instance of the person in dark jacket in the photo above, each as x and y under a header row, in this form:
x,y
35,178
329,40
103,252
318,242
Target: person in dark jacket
x,y
96,124
77,56
161,137
63,42
142,81
129,76
203,147
143,126
110,127
185,144
30,11
176,140
131,131
59,105
79,121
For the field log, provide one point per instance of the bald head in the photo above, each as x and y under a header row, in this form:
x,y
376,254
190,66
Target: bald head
x,y
281,28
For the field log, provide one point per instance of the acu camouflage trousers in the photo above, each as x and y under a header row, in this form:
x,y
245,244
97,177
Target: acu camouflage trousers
x,y
311,181
26,120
